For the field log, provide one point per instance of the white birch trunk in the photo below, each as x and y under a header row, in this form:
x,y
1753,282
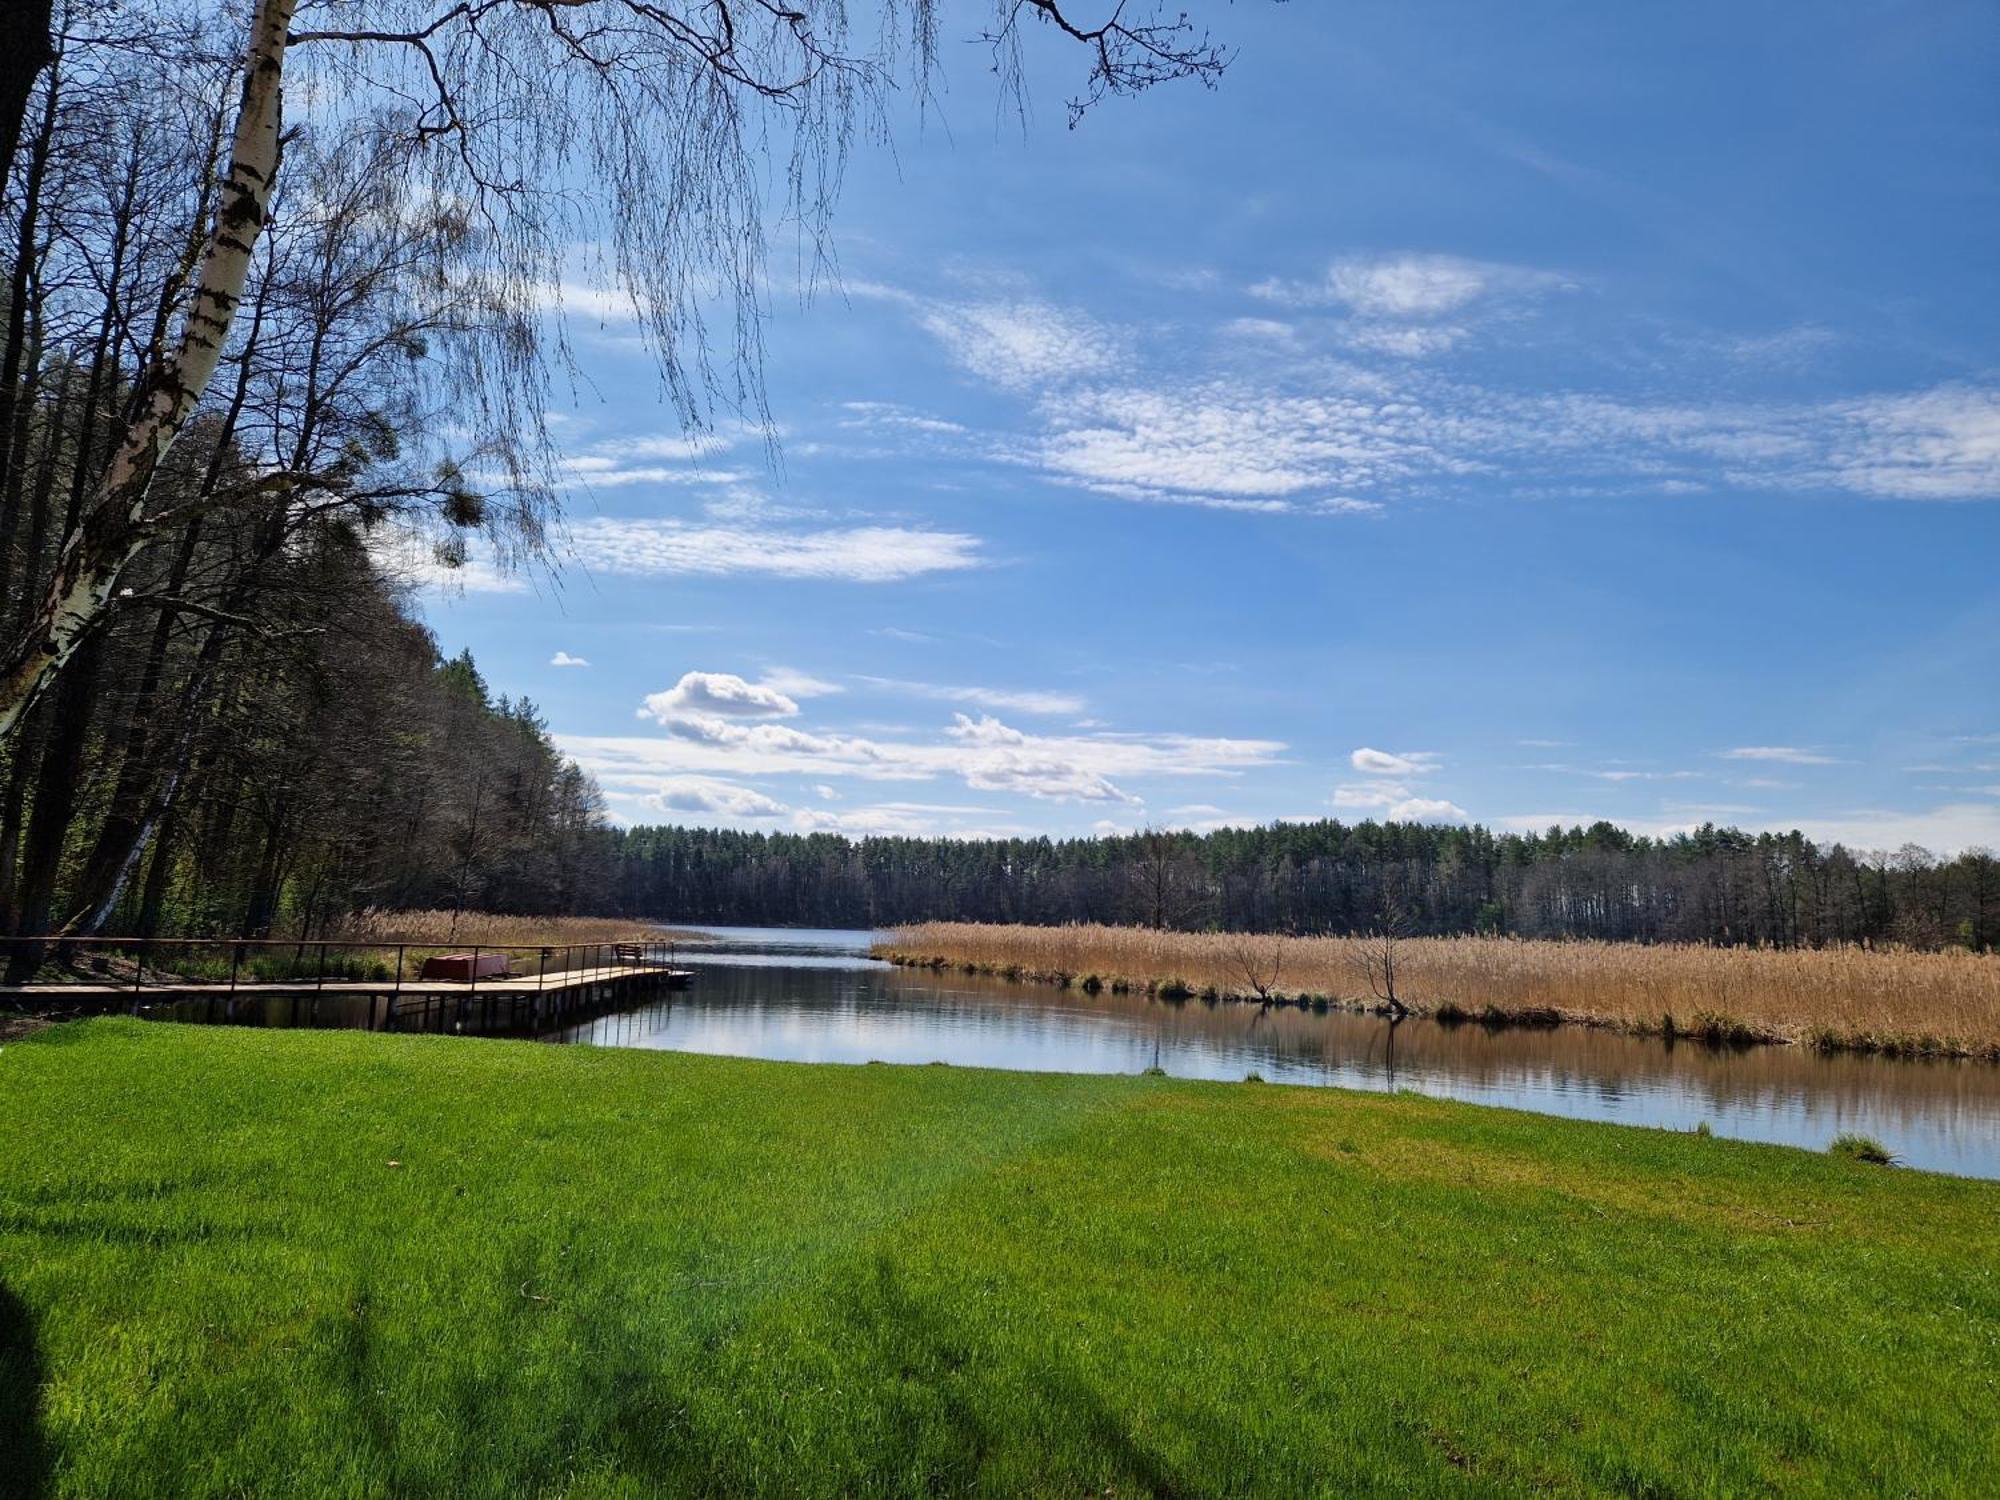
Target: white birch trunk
x,y
116,528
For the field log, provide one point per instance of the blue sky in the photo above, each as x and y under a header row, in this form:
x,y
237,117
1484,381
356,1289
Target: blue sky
x,y
1516,415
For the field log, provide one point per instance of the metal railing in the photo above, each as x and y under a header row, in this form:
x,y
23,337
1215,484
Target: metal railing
x,y
127,963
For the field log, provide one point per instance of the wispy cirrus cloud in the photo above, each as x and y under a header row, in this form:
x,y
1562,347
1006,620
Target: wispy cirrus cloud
x,y
1411,306
1282,428
854,554
1020,700
1786,755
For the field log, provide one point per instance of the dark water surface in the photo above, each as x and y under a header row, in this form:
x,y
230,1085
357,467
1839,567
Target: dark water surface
x,y
812,996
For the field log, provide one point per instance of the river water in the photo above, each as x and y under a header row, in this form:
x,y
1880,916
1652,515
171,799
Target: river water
x,y
816,996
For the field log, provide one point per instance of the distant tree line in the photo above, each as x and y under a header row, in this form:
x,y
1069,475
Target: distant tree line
x,y
1716,885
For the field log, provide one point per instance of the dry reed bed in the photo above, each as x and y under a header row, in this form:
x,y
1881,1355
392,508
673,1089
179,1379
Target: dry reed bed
x,y
1926,1004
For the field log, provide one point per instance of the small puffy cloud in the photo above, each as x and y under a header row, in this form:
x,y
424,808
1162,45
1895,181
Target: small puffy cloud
x,y
1387,795
1789,755
1381,763
711,797
564,659
717,695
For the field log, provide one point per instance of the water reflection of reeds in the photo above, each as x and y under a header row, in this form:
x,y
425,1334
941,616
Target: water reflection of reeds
x,y
1936,1113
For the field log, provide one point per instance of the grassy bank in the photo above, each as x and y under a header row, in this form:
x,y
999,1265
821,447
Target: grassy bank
x,y
235,1261
1918,1004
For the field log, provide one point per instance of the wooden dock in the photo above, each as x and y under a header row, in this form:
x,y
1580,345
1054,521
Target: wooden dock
x,y
514,1005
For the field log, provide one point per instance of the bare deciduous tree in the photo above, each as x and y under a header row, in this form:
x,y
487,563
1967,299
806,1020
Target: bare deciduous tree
x,y
1377,953
1261,961
632,127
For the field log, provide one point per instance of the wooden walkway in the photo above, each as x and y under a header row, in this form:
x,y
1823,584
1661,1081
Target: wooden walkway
x,y
533,1003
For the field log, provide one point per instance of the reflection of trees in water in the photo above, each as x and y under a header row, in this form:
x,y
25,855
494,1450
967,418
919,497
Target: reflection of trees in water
x,y
1286,1043
1606,1062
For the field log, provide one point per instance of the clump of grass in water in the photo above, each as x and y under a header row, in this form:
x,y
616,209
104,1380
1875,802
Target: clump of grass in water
x,y
1861,1148
1705,1131
1253,1077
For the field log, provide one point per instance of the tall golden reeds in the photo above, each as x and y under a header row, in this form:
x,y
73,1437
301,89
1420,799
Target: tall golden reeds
x,y
1937,1004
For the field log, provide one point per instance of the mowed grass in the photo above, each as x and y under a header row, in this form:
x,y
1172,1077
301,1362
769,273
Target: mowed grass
x,y
294,1263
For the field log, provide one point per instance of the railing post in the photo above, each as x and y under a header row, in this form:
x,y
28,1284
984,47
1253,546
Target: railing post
x,y
235,959
475,982
139,967
320,984
399,968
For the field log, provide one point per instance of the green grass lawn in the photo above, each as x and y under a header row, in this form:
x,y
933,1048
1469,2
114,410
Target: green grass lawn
x,y
240,1262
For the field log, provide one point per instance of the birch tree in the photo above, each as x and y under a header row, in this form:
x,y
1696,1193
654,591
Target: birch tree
x,y
634,127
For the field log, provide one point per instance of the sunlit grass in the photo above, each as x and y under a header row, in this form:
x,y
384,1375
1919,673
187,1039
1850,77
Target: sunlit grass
x,y
314,1263
1932,1004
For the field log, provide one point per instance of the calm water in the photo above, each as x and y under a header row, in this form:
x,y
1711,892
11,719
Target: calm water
x,y
809,996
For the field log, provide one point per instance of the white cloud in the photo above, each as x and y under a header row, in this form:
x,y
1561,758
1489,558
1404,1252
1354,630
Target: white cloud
x,y
1427,810
1407,287
564,659
1370,796
795,684
1942,444
710,796
1386,794
1382,763
702,696
906,820
1612,773
1947,830
1405,342
1790,755
862,554
1119,415
1232,441
1018,700
1025,344
984,752
1007,760
876,415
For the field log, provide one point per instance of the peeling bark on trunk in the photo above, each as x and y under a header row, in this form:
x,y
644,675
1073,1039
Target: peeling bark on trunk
x,y
118,527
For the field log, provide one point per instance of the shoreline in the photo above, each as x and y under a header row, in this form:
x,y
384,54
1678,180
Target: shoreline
x,y
1710,1027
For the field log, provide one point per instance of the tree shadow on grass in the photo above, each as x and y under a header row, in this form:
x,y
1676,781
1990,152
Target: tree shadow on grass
x,y
25,1459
